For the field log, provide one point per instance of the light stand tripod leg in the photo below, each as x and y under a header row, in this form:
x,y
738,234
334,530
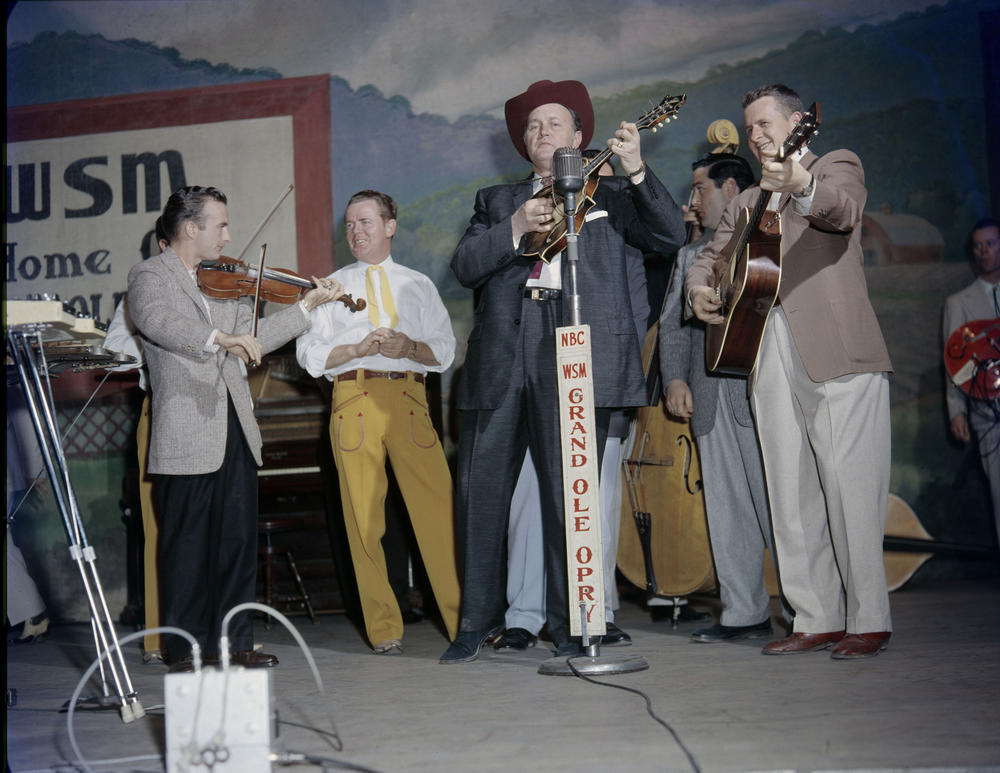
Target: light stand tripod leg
x,y
40,405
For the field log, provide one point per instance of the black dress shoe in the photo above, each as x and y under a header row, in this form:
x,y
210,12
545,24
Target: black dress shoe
x,y
182,666
720,632
466,646
615,637
515,639
569,649
253,659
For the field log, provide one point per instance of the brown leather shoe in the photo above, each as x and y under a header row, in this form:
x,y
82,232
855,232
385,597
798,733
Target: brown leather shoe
x,y
802,642
254,659
861,645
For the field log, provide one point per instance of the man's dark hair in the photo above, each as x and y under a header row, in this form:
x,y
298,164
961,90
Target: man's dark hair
x,y
787,98
187,204
386,205
985,222
722,166
161,234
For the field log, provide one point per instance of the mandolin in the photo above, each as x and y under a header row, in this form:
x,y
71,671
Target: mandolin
x,y
552,242
748,272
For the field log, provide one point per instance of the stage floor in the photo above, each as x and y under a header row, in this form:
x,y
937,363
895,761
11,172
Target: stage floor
x,y
930,702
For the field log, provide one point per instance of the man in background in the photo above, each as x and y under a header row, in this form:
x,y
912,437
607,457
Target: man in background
x,y
739,521
970,416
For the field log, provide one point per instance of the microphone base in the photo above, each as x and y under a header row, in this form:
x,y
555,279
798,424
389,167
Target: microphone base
x,y
594,665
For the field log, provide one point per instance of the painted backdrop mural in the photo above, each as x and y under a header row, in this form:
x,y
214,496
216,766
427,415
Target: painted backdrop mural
x,y
416,97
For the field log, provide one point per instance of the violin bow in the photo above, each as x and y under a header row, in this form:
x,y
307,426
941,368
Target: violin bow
x,y
267,217
256,292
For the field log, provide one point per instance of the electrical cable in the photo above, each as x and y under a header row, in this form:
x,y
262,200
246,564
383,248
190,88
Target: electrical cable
x,y
325,734
292,758
196,651
649,710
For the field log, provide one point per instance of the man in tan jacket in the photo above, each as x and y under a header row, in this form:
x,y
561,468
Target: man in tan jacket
x,y
820,388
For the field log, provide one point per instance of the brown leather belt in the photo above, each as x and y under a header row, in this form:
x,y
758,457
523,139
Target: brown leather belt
x,y
392,375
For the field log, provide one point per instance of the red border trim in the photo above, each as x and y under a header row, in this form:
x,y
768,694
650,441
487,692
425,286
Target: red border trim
x,y
306,100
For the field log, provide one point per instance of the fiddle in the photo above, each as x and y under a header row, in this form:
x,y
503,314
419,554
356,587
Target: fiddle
x,y
228,278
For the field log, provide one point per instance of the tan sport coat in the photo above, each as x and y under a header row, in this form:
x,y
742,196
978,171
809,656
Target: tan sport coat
x,y
823,290
189,383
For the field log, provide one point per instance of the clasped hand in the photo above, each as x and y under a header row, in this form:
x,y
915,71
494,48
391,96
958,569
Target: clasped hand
x,y
385,341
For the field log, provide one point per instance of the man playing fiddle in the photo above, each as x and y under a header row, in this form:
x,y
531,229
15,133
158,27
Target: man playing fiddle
x,y
820,388
205,445
508,394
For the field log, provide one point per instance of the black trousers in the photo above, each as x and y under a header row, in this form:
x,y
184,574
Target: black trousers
x,y
491,451
208,548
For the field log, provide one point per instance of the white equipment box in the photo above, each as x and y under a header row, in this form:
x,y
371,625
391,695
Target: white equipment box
x,y
219,721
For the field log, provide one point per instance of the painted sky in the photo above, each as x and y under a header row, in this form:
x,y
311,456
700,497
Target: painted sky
x,y
454,57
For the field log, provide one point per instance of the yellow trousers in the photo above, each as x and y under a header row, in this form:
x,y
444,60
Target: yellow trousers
x,y
371,418
151,534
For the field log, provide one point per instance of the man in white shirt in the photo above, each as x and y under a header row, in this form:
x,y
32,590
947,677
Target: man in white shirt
x,y
377,360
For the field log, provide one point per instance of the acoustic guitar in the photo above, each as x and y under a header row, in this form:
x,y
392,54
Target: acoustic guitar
x,y
552,242
748,272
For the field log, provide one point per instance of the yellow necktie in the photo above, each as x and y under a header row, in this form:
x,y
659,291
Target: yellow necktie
x,y
373,308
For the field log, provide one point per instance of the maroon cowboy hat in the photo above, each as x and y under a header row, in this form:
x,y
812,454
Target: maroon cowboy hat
x,y
570,94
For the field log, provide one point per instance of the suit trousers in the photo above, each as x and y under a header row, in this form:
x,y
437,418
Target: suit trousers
x,y
986,429
525,554
373,418
739,522
208,548
826,450
491,451
150,535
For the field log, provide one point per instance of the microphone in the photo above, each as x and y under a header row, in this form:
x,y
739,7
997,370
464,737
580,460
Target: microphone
x,y
567,170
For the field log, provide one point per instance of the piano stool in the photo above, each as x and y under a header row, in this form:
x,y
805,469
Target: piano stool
x,y
266,552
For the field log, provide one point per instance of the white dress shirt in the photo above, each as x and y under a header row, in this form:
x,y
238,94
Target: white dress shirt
x,y
422,317
122,337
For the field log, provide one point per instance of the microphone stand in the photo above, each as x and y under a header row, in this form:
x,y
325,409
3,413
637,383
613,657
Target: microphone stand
x,y
591,662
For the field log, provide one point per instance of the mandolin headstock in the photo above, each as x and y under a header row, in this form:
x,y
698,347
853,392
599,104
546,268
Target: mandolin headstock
x,y
662,113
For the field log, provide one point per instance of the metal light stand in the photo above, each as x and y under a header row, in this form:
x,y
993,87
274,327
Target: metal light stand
x,y
29,361
591,662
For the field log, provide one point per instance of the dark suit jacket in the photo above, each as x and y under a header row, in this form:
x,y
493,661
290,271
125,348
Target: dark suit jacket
x,y
823,290
643,215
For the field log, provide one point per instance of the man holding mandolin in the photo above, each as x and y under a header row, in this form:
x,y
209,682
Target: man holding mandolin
x,y
508,395
819,384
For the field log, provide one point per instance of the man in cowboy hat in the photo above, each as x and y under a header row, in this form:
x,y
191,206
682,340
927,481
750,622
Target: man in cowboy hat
x,y
508,394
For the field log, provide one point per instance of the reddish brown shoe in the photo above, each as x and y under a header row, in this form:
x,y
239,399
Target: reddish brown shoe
x,y
254,659
861,645
802,642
